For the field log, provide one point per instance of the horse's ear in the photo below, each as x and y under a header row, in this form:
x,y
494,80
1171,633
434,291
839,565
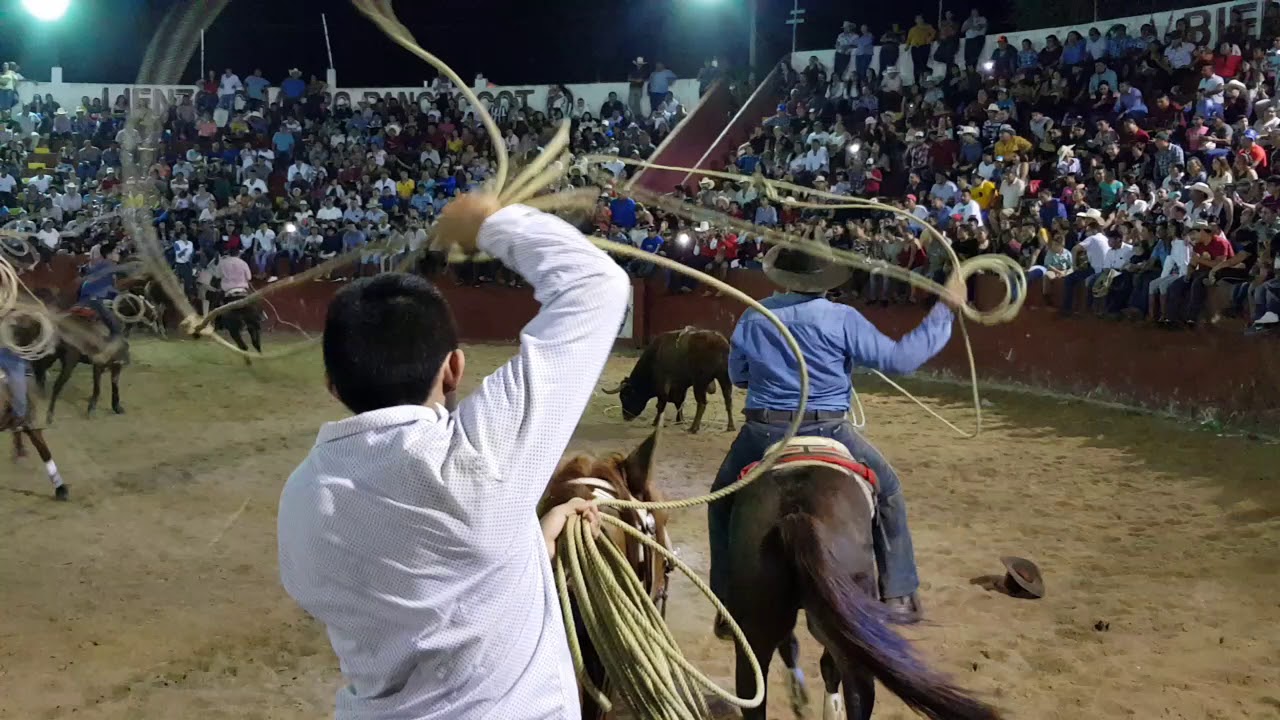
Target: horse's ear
x,y
639,467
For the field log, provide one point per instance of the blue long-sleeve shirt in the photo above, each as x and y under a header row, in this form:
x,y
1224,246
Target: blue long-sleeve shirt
x,y
100,281
834,339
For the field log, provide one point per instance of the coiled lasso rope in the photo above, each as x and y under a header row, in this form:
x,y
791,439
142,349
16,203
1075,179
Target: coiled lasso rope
x,y
17,313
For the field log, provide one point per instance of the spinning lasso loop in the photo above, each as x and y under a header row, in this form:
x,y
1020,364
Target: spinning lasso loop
x,y
129,308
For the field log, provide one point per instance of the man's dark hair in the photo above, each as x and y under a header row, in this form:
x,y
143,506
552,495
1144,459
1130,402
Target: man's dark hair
x,y
385,339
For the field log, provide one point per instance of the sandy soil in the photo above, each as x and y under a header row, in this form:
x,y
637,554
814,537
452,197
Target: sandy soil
x,y
154,593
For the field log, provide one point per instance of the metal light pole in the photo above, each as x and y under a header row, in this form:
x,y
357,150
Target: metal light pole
x,y
753,6
797,19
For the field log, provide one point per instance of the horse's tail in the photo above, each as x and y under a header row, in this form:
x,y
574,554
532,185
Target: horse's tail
x,y
858,625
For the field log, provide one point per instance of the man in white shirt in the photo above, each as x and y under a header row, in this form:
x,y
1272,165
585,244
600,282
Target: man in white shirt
x,y
1179,54
299,170
1176,265
1212,85
1094,247
8,183
813,161
228,85
410,529
966,209
328,211
1132,204
49,239
41,182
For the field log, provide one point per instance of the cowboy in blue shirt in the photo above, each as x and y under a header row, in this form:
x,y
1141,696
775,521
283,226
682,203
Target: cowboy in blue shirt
x,y
834,339
99,287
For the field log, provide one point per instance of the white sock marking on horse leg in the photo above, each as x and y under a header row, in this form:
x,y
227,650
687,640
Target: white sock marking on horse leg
x,y
799,694
834,707
54,477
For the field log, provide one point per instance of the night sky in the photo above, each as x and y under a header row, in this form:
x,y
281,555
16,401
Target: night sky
x,y
513,43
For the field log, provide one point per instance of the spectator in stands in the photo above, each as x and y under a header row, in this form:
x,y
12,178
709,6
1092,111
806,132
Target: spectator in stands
x,y
660,81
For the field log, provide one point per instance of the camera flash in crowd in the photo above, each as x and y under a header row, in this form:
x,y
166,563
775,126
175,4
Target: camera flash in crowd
x,y
988,66
682,238
854,148
290,228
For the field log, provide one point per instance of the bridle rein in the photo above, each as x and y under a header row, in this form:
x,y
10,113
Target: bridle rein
x,y
653,570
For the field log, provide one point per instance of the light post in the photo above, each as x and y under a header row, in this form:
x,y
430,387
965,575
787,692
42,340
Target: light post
x,y
47,10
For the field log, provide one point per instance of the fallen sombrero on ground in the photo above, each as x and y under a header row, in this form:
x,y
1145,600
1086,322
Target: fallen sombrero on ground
x,y
1023,579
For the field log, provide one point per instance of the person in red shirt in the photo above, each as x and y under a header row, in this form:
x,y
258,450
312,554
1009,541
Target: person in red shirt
x,y
943,151
1252,151
1131,134
1187,295
718,250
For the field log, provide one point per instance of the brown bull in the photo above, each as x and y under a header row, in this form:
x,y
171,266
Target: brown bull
x,y
672,364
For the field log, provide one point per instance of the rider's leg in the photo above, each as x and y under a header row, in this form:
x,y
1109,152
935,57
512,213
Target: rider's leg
x,y
747,447
107,316
15,374
895,555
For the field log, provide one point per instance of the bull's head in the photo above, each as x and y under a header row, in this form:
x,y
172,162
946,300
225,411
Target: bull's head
x,y
633,397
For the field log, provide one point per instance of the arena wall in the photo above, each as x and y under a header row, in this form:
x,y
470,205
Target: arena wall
x,y
1218,371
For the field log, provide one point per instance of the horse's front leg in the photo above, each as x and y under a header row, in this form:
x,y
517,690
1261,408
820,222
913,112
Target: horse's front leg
x,y
116,407
69,362
97,389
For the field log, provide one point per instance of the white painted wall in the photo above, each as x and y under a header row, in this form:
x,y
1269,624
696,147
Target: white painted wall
x,y
69,95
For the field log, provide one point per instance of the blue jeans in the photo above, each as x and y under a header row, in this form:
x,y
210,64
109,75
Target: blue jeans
x,y
1069,283
895,556
108,317
15,372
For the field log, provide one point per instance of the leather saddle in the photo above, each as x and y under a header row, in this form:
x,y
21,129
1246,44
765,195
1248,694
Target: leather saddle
x,y
83,311
812,450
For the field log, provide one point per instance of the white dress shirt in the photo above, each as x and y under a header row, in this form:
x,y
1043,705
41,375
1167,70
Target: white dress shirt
x,y
411,533
1117,258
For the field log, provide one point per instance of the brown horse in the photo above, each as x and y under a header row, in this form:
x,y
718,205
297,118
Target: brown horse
x,y
82,340
801,539
626,478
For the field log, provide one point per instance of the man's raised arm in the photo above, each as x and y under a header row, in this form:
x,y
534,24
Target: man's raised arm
x,y
523,414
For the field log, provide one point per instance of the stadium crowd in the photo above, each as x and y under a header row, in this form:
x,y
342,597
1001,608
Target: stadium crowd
x,y
1137,168
1132,169
284,178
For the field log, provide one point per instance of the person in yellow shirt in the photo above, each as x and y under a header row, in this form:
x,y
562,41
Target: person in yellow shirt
x,y
984,193
405,187
1011,144
920,39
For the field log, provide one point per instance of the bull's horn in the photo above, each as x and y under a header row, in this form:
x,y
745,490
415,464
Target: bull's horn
x,y
612,391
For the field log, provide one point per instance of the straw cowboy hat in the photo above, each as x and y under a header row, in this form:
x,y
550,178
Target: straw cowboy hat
x,y
1204,188
1091,213
707,183
1023,578
805,272
638,61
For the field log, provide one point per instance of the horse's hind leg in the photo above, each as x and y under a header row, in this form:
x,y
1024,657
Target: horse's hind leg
x,y
789,651
255,333
69,362
116,407
97,389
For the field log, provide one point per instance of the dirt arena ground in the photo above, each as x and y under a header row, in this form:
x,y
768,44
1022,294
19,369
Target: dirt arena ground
x,y
154,594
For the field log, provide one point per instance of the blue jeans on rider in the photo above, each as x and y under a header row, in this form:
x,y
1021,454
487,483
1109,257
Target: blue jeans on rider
x,y
15,373
108,317
895,556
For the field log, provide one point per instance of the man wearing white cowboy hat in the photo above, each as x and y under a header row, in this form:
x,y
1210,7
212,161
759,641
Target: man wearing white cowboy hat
x,y
1094,246
636,79
834,339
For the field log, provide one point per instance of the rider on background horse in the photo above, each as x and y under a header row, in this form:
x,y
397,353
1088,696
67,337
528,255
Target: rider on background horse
x,y
834,339
99,287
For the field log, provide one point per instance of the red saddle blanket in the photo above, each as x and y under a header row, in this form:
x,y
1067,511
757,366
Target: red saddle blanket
x,y
810,455
83,311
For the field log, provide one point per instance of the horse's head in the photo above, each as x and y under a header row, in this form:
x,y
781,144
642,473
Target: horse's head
x,y
624,477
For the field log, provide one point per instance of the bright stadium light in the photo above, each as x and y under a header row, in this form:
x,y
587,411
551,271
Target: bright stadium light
x,y
47,10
